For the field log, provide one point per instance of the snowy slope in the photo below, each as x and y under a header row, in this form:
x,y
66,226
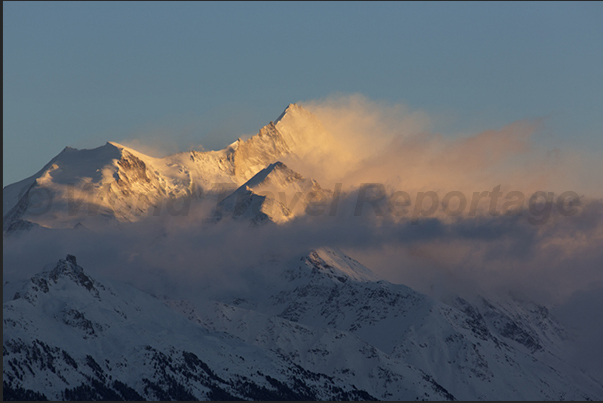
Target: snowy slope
x,y
276,194
111,183
114,183
325,327
340,355
502,353
67,335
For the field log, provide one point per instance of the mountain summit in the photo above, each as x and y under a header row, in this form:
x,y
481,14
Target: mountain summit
x,y
276,194
114,183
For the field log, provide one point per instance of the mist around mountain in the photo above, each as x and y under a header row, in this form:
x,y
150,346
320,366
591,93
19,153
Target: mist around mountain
x,y
236,274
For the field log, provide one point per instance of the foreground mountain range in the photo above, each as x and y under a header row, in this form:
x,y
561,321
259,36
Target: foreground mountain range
x,y
316,325
324,328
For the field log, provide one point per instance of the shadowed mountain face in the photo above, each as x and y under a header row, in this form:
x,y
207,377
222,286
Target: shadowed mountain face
x,y
68,335
325,327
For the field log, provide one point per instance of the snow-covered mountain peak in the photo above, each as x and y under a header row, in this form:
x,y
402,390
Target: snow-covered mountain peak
x,y
300,129
128,345
233,146
290,109
278,165
335,264
114,183
276,193
277,169
72,164
66,275
372,338
115,144
99,165
68,267
246,205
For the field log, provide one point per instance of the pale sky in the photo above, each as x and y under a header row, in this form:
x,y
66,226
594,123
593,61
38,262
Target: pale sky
x,y
179,75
